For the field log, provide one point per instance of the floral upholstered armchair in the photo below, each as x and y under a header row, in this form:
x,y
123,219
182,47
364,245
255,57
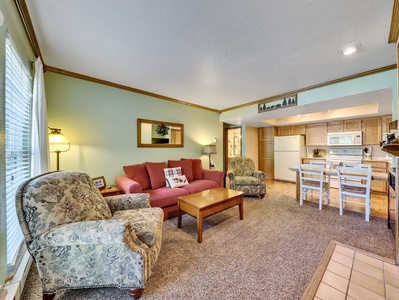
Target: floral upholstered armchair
x,y
79,239
243,177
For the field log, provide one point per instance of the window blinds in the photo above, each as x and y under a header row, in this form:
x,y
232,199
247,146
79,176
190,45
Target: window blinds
x,y
18,95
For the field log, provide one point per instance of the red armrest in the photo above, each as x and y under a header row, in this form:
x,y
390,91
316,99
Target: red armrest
x,y
127,185
215,175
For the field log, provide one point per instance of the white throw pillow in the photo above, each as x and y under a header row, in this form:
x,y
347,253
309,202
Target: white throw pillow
x,y
176,181
170,172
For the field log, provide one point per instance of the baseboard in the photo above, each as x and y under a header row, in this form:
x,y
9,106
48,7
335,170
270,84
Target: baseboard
x,y
16,285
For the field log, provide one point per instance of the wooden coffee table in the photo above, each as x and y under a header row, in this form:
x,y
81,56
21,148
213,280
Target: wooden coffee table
x,y
206,203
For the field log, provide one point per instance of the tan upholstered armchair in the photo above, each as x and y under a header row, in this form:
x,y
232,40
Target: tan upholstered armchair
x,y
243,177
78,239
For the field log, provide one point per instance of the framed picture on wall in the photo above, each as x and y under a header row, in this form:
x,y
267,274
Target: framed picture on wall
x,y
100,182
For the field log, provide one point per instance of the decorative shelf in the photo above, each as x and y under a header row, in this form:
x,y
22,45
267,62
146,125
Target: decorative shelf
x,y
391,149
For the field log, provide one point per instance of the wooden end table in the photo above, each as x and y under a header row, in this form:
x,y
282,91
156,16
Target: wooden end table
x,y
206,203
111,190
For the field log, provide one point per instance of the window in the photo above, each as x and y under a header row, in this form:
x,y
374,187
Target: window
x,y
18,101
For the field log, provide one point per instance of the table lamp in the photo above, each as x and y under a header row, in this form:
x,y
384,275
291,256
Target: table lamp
x,y
210,149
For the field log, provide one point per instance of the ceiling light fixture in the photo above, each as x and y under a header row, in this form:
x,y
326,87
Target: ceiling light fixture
x,y
351,48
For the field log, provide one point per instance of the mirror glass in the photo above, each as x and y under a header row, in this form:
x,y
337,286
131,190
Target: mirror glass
x,y
158,134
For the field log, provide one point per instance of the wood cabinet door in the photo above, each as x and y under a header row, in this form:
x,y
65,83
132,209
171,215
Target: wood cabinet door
x,y
372,134
284,130
316,134
266,157
298,129
335,126
385,120
352,125
267,133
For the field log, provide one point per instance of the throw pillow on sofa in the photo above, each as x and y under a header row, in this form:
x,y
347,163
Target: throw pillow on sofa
x,y
198,171
176,181
171,172
157,175
186,167
138,173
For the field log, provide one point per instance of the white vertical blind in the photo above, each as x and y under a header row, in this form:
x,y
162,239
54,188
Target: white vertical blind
x,y
18,95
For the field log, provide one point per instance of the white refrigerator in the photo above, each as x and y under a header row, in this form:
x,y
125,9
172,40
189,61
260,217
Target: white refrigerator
x,y
288,153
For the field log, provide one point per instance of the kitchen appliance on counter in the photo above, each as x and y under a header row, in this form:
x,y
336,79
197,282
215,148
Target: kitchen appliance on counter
x,y
288,153
340,156
349,138
367,152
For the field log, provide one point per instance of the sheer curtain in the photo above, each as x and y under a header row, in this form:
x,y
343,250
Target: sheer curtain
x,y
40,148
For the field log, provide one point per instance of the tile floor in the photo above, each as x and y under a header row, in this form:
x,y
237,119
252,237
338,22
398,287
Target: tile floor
x,y
353,274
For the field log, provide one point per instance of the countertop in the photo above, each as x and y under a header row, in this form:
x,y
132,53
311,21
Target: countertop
x,y
383,159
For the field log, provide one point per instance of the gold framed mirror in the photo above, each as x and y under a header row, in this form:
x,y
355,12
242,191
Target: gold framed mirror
x,y
158,134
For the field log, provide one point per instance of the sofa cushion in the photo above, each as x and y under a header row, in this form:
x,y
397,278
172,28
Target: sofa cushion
x,y
157,176
200,185
172,172
165,196
138,173
176,181
198,172
186,167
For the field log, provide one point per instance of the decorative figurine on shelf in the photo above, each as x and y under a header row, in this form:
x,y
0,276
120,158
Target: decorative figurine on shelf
x,y
316,153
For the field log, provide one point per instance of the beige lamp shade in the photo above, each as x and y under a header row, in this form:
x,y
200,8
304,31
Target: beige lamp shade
x,y
210,149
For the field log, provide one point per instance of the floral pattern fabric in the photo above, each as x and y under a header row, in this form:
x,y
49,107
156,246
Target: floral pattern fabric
x,y
79,239
243,177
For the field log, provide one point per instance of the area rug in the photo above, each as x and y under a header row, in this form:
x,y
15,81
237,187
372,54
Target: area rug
x,y
271,254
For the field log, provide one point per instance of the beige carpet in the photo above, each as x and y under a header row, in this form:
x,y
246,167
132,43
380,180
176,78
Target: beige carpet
x,y
271,254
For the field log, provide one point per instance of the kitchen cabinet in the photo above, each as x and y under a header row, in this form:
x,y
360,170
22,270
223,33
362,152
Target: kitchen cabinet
x,y
372,134
377,186
307,160
266,150
345,125
385,120
291,130
316,134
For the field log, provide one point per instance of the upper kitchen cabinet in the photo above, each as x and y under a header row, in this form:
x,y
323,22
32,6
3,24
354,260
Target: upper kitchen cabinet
x,y
372,134
316,134
291,130
385,120
345,125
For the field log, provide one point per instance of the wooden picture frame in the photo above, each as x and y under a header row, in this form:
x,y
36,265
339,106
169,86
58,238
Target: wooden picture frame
x,y
100,182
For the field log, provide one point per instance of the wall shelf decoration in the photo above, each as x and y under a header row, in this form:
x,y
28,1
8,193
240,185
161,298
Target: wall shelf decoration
x,y
278,104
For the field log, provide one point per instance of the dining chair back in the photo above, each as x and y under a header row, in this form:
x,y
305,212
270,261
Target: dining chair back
x,y
354,186
312,180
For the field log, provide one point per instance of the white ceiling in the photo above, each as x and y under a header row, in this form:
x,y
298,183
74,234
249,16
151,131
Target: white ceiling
x,y
217,54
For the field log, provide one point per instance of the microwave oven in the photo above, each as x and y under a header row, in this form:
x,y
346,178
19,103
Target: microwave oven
x,y
349,138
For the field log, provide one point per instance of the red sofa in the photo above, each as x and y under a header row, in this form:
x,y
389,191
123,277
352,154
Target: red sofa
x,y
149,178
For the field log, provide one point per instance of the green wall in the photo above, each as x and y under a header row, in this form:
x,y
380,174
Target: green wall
x,y
101,124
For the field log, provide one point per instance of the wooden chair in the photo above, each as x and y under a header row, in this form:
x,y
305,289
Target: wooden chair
x,y
355,182
312,179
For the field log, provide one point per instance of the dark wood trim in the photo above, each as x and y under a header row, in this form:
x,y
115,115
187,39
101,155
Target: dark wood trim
x,y
124,87
276,97
394,31
27,22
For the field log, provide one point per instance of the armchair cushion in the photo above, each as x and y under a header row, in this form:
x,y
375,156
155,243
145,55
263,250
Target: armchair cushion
x,y
142,221
128,201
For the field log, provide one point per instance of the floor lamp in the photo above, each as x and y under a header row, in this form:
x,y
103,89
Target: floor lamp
x,y
210,149
58,143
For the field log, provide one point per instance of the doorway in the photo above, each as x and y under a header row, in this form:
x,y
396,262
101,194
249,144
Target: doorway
x,y
232,144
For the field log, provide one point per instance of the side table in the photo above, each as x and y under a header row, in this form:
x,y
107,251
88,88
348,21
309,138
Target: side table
x,y
111,190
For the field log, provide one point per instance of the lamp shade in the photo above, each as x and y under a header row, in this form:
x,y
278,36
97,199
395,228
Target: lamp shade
x,y
58,141
210,149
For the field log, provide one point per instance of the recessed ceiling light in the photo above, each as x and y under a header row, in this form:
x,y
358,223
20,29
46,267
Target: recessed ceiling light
x,y
349,49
